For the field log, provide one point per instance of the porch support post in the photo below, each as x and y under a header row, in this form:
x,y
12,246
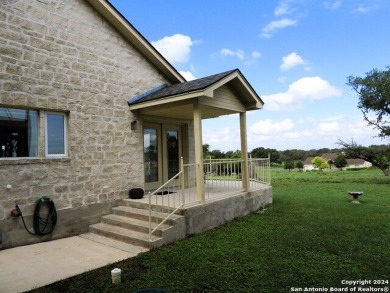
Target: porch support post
x,y
198,152
244,152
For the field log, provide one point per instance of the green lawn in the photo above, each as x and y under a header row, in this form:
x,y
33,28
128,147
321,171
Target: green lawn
x,y
312,236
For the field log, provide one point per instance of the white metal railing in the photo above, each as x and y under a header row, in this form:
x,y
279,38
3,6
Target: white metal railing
x,y
168,198
259,171
222,177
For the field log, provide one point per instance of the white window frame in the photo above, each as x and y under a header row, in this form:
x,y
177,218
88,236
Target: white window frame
x,y
65,154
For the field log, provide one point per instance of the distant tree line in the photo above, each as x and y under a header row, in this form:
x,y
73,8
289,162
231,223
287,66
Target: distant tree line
x,y
277,157
378,155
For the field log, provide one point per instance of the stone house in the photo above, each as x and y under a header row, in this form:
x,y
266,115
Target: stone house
x,y
89,110
329,157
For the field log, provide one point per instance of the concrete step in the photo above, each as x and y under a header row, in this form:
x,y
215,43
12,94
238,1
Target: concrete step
x,y
144,205
126,235
130,225
134,224
142,214
131,248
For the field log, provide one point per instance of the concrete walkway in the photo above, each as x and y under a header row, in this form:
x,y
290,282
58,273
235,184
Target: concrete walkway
x,y
37,265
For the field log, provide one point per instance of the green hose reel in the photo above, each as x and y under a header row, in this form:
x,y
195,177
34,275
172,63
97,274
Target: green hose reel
x,y
42,225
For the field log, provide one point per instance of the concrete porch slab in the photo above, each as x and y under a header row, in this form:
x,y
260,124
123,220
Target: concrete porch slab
x,y
26,267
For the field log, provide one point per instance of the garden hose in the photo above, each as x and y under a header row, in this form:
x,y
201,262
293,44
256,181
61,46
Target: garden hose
x,y
41,225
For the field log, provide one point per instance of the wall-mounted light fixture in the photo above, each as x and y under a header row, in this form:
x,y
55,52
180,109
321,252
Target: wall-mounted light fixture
x,y
133,125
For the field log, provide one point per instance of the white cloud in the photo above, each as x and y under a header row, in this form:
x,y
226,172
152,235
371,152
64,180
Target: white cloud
x,y
290,61
282,9
226,136
302,133
327,127
253,57
333,5
364,9
271,28
176,48
297,134
268,127
256,54
312,88
333,118
306,88
187,75
239,53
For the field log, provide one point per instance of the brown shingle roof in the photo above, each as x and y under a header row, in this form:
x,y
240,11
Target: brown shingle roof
x,y
308,161
181,88
329,156
355,161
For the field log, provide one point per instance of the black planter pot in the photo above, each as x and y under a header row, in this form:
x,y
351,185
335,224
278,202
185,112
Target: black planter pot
x,y
136,193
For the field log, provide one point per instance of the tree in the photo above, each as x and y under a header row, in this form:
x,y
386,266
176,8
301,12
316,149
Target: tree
x,y
261,152
377,155
299,165
320,163
330,163
233,155
289,165
340,161
206,150
374,96
217,154
293,154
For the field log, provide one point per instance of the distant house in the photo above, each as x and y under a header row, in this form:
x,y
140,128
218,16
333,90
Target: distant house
x,y
357,163
329,157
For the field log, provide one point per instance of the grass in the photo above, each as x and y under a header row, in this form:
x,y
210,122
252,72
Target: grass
x,y
313,236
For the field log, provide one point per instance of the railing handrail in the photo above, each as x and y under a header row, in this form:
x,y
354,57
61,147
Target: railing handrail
x,y
237,159
150,203
165,184
258,159
258,171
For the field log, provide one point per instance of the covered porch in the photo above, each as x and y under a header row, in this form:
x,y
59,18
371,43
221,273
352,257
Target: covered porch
x,y
184,178
222,179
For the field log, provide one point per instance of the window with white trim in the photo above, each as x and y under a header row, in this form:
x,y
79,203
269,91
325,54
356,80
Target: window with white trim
x,y
18,132
55,134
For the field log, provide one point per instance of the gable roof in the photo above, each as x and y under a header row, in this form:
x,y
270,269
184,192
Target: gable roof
x,y
357,161
133,36
181,88
201,87
308,161
329,156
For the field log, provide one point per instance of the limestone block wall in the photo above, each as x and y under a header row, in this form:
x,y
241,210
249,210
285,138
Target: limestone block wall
x,y
61,55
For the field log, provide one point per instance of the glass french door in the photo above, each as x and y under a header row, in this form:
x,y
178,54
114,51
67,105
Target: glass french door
x,y
162,152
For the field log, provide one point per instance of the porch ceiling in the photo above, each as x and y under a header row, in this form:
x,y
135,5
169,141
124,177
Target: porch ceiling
x,y
184,111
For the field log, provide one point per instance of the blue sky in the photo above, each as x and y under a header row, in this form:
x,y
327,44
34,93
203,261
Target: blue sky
x,y
297,55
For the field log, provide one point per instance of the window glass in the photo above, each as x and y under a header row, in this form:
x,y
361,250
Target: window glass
x,y
18,132
173,153
55,134
151,154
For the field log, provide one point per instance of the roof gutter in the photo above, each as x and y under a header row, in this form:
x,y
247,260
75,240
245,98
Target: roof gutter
x,y
169,99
